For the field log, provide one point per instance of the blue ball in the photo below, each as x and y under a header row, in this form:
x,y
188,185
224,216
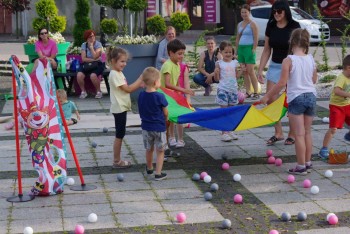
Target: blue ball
x,y
105,130
302,216
226,223
214,187
196,177
93,144
208,196
285,216
120,177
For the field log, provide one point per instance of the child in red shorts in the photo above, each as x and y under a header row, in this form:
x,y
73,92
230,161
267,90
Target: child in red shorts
x,y
339,107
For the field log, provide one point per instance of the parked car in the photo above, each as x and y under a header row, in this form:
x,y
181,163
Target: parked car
x,y
261,14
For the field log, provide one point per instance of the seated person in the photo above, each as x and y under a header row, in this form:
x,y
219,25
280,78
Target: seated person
x,y
206,66
162,54
46,48
68,107
91,51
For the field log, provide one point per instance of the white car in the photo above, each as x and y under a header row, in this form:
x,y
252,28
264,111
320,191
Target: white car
x,y
261,14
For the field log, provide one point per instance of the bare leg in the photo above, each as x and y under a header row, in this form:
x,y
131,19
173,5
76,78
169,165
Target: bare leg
x,y
308,137
117,147
247,82
328,137
96,82
297,123
278,125
171,130
159,162
252,77
149,158
81,82
180,132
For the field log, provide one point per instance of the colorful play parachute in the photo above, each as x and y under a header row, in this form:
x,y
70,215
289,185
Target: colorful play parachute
x,y
233,118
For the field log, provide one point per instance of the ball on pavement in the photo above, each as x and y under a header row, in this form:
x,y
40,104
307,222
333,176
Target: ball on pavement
x,y
237,177
196,177
271,160
214,187
105,130
70,181
269,152
208,196
325,120
273,232
79,229
225,166
240,97
315,189
181,217
285,216
328,173
203,174
329,215
92,218
28,230
120,177
290,179
333,220
307,183
93,144
301,216
207,179
238,198
278,162
226,223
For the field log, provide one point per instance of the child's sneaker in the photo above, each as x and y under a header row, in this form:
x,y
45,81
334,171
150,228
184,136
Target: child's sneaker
x,y
172,141
308,168
297,171
226,137
162,176
83,95
233,136
347,136
149,172
9,126
98,95
180,144
324,153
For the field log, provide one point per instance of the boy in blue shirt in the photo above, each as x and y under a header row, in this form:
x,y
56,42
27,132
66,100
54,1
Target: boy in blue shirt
x,y
68,108
154,114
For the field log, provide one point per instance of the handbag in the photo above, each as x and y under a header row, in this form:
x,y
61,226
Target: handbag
x,y
338,158
90,66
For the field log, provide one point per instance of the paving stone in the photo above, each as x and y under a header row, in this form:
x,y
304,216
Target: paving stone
x,y
249,169
230,151
84,210
186,204
29,213
259,178
199,216
51,225
268,187
3,227
89,198
173,183
137,207
143,219
127,185
141,195
50,201
328,190
103,221
335,205
178,193
128,176
338,230
296,207
281,198
343,182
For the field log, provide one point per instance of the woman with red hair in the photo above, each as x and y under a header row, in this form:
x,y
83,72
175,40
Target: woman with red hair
x,y
91,50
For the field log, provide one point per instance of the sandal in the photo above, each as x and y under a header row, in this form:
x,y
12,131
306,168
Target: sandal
x,y
122,164
247,95
273,139
74,121
289,141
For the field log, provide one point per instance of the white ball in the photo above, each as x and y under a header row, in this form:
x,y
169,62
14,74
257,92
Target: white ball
x,y
28,230
329,215
328,173
314,189
325,120
92,218
70,181
207,179
237,177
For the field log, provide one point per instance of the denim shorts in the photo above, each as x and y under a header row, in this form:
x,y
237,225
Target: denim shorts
x,y
153,138
225,98
274,72
304,104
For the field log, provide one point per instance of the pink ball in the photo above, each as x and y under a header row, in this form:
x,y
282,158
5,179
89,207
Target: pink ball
x,y
291,179
181,217
269,152
273,232
333,220
238,198
225,166
240,97
271,160
307,183
79,229
203,174
278,162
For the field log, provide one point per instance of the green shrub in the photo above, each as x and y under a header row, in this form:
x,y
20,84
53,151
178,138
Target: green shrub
x,y
109,26
58,23
328,78
82,21
39,23
156,25
180,21
48,17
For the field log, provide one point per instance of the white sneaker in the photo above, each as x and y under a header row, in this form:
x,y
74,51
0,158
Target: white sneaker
x,y
180,144
233,136
226,137
172,141
98,95
83,95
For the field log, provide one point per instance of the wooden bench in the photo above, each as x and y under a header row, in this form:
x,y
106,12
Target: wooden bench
x,y
62,78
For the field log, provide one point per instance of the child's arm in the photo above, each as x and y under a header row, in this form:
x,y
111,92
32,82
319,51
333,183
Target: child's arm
x,y
174,87
131,88
240,70
187,84
77,114
217,72
166,113
340,92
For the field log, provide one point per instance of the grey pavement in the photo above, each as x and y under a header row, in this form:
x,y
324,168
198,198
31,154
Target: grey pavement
x,y
140,204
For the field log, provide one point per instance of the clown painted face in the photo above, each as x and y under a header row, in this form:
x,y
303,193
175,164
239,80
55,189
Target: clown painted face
x,y
38,119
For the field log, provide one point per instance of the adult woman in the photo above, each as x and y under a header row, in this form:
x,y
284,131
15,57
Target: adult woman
x,y
246,43
162,54
46,48
91,51
278,31
206,65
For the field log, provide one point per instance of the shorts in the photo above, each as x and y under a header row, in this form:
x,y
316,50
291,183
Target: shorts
x,y
153,138
274,72
338,115
304,104
246,55
225,98
120,124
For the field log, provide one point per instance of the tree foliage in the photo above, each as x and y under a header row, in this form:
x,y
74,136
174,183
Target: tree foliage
x,y
15,6
48,13
82,21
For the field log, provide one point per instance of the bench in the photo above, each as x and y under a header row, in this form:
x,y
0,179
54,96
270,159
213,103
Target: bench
x,y
62,78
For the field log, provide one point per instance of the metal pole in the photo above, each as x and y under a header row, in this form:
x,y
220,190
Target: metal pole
x,y
103,15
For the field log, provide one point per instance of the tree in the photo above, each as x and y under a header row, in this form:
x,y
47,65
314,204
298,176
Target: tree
x,y
82,21
136,6
14,7
116,5
48,17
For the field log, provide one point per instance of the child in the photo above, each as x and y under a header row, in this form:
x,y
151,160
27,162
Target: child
x,y
68,108
170,72
154,114
227,89
299,74
339,107
120,99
